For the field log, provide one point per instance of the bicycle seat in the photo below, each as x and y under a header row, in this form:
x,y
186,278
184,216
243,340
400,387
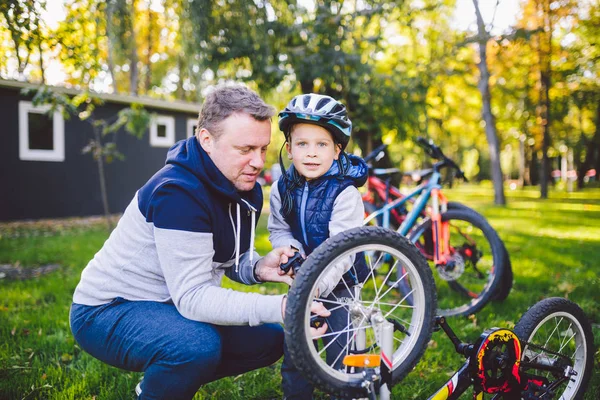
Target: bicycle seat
x,y
384,172
419,174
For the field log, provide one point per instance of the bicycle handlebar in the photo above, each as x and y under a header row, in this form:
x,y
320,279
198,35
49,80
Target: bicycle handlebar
x,y
375,153
436,153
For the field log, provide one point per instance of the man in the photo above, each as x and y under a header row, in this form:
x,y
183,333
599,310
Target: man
x,y
151,299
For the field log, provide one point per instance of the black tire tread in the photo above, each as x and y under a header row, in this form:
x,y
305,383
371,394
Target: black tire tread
x,y
507,281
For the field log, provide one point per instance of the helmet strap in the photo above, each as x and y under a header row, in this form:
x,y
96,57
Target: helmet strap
x,y
293,180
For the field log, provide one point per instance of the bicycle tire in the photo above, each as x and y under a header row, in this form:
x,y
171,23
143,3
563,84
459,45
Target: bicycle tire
x,y
562,319
359,240
507,281
479,288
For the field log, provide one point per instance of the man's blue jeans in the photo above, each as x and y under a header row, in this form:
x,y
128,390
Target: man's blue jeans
x,y
178,355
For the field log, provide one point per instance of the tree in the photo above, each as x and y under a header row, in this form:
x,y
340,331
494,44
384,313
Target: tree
x,y
488,116
134,120
23,20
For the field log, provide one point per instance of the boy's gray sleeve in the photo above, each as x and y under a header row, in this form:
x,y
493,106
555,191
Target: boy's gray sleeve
x,y
348,211
280,233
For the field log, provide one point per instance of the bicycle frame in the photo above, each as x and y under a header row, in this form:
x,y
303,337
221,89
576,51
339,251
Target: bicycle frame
x,y
431,189
471,374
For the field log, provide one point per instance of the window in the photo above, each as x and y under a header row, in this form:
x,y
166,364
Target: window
x,y
162,131
191,127
41,136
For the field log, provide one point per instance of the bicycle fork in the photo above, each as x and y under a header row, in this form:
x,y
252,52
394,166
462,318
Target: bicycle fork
x,y
440,230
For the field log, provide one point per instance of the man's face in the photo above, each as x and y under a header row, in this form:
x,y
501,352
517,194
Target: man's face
x,y
239,151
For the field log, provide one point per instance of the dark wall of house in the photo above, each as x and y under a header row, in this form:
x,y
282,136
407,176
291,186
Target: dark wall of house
x,y
44,189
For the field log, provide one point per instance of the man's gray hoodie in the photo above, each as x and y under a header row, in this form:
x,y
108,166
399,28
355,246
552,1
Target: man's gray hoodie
x,y
183,230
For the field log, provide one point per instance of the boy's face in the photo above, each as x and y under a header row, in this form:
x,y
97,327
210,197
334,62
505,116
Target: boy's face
x,y
312,150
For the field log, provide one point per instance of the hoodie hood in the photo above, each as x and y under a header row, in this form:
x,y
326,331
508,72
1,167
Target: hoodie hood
x,y
188,154
356,169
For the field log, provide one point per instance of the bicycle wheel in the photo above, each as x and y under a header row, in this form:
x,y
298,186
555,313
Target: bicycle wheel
x,y
507,281
367,300
475,270
556,332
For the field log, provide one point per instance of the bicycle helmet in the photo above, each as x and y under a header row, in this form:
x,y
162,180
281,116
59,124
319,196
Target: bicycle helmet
x,y
319,110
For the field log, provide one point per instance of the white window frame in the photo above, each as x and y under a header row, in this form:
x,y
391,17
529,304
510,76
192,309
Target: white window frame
x,y
190,123
169,139
57,154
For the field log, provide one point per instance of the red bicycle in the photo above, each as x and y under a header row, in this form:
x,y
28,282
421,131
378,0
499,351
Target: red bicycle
x,y
465,250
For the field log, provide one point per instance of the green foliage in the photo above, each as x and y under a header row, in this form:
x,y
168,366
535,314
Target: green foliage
x,y
24,23
402,68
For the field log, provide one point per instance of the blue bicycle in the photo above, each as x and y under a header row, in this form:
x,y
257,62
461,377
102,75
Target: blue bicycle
x,y
459,244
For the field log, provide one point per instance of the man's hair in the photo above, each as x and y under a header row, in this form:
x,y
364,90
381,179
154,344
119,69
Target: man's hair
x,y
227,99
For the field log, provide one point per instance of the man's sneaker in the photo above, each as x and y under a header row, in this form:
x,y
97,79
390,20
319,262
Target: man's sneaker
x,y
138,388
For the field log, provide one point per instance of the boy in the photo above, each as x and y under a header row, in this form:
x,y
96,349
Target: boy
x,y
316,198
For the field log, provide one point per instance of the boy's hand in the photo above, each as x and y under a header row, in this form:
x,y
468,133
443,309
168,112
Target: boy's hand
x,y
267,269
317,308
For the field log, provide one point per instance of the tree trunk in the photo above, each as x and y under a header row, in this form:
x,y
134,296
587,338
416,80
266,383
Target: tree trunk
x,y
522,161
100,164
133,56
592,152
110,50
488,117
545,52
133,70
42,69
148,84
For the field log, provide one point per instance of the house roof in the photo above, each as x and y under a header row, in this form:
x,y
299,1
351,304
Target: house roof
x,y
174,105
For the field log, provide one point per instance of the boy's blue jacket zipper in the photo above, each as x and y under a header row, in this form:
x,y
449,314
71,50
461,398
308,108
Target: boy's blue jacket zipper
x,y
303,211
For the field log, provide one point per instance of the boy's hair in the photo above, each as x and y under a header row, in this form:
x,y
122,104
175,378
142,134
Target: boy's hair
x,y
227,99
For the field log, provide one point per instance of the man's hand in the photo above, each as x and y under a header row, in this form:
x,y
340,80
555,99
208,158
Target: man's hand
x,y
267,269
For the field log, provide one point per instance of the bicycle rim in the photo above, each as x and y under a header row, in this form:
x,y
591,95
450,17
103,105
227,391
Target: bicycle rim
x,y
561,333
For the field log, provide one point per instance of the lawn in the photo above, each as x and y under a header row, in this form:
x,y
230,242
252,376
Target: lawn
x,y
553,246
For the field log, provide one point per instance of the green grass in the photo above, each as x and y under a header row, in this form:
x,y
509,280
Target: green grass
x,y
554,246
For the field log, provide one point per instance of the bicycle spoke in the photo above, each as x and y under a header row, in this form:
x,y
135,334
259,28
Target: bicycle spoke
x,y
386,279
397,305
348,330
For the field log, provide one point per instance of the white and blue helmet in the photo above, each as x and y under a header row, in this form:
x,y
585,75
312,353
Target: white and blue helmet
x,y
319,110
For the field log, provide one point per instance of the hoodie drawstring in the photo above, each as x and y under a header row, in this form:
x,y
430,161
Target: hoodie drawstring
x,y
237,231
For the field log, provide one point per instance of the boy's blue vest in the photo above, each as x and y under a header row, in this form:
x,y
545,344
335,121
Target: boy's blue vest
x,y
313,203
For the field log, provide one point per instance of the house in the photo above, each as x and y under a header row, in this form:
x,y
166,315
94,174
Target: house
x,y
43,171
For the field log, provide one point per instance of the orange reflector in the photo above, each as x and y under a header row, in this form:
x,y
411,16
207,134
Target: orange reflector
x,y
362,360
